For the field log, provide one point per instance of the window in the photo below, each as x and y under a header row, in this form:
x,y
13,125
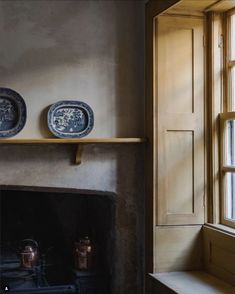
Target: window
x,y
228,127
232,59
228,167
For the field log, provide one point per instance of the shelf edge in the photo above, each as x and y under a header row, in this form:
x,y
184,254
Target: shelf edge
x,y
75,141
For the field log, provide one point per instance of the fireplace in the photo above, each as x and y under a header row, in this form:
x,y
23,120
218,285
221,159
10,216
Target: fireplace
x,y
56,219
116,169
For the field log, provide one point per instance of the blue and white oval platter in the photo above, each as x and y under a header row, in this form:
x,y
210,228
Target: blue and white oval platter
x,y
70,119
12,113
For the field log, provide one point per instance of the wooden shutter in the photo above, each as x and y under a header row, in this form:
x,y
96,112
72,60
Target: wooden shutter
x,y
179,94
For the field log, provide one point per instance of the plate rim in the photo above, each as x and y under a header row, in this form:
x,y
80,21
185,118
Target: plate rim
x,y
22,109
75,103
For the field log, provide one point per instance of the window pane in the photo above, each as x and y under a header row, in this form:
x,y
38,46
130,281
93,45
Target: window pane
x,y
229,143
233,36
230,196
233,87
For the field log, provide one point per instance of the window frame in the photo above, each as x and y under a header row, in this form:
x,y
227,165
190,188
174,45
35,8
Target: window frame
x,y
225,168
228,114
229,63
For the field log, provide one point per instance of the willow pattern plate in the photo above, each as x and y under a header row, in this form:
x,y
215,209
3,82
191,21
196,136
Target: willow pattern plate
x,y
12,113
70,119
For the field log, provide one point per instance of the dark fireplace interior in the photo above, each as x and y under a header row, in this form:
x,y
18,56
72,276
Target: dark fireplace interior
x,y
56,220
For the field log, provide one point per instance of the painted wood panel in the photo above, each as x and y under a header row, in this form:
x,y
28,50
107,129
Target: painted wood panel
x,y
198,5
178,248
179,92
179,160
219,248
175,50
153,8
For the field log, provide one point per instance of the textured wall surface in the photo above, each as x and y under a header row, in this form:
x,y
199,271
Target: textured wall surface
x,y
91,51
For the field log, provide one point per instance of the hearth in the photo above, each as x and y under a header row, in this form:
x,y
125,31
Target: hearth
x,y
15,279
18,279
56,220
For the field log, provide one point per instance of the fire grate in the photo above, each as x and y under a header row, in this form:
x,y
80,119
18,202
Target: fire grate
x,y
67,289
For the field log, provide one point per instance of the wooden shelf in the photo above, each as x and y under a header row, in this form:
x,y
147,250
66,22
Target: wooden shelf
x,y
74,141
79,142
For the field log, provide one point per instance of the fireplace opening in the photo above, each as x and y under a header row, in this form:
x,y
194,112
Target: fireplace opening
x,y
56,225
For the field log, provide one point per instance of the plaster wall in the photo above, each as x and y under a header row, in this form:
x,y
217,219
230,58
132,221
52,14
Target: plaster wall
x,y
90,51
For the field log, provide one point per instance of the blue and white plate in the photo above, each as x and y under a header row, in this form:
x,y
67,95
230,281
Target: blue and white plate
x,y
12,113
70,119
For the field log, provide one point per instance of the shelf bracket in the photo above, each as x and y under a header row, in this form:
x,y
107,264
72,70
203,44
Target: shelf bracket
x,y
79,151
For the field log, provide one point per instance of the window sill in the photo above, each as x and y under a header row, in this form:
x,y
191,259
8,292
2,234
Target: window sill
x,y
193,282
221,228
